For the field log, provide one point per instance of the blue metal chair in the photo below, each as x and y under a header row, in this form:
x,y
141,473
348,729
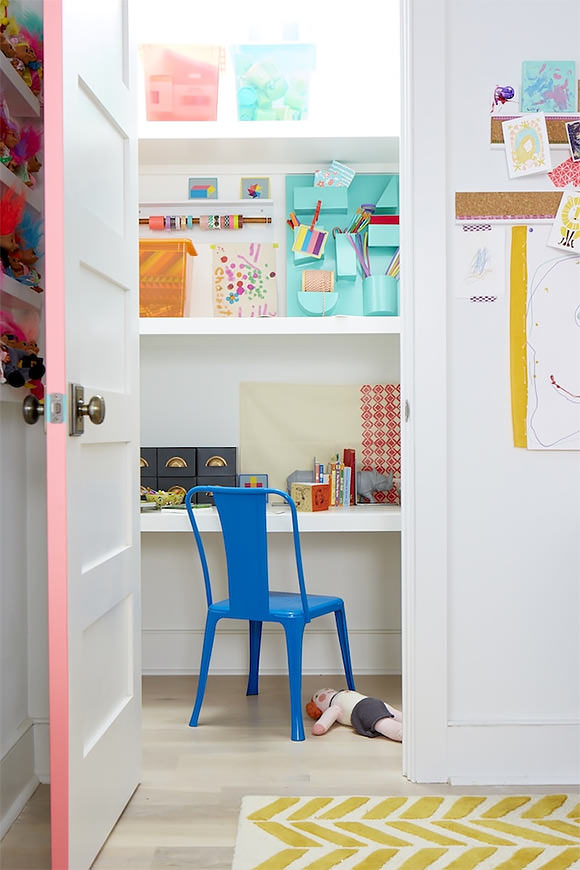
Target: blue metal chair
x,y
242,514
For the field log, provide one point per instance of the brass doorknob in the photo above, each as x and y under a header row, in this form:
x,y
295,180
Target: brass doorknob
x,y
32,409
94,410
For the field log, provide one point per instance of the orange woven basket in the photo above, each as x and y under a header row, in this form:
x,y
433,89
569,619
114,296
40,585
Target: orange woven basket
x,y
163,276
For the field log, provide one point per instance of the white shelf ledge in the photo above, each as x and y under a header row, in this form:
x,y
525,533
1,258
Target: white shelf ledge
x,y
362,518
207,203
20,291
337,325
21,101
163,142
33,196
14,395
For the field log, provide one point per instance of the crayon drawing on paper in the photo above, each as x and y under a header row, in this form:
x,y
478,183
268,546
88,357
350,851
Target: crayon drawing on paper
x,y
244,280
550,378
527,146
479,263
548,86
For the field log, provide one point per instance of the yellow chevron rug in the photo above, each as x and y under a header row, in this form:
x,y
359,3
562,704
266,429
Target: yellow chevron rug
x,y
535,832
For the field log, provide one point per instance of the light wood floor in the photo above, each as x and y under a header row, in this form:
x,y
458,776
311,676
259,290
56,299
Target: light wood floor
x,y
185,812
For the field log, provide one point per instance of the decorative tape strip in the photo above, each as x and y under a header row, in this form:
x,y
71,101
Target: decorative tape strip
x,y
470,228
483,298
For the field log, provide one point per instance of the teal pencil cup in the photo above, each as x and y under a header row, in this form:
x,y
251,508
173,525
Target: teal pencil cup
x,y
380,295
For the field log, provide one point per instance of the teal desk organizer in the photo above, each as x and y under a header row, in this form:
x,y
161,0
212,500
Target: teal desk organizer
x,y
374,296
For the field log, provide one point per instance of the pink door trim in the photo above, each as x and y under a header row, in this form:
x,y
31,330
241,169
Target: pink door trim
x,y
56,435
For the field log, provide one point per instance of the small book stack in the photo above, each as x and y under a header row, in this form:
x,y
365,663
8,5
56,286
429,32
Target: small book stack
x,y
340,476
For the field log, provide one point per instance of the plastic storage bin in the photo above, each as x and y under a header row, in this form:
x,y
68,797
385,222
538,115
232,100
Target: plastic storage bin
x,y
163,276
273,81
181,81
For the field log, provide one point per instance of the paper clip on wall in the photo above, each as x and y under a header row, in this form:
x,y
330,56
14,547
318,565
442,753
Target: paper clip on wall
x,y
163,276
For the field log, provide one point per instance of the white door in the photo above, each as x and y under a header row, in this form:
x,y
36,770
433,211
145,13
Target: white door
x,y
91,295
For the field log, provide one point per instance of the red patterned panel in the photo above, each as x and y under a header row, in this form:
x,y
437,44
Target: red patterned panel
x,y
381,433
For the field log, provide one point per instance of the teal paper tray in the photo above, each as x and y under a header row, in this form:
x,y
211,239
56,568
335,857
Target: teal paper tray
x,y
301,194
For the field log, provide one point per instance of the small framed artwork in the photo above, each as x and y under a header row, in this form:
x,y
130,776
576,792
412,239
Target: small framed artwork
x,y
573,132
253,481
202,188
255,188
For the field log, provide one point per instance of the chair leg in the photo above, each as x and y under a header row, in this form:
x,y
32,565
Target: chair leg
x,y
294,635
341,628
255,629
209,634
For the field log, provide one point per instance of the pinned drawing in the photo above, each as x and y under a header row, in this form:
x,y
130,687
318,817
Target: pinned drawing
x,y
565,234
548,86
545,342
244,279
527,145
573,134
479,264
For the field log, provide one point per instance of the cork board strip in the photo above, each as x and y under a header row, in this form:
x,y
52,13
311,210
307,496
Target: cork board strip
x,y
555,124
507,205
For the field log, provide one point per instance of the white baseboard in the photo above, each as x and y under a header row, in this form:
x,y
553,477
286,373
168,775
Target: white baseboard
x,y
178,651
515,753
18,780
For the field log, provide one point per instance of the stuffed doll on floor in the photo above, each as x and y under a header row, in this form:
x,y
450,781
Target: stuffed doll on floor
x,y
368,716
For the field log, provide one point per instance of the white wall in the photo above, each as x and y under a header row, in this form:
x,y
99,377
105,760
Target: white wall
x,y
513,538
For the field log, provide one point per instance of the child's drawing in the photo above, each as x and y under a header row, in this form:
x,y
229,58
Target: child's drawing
x,y
479,265
565,233
553,346
548,86
527,146
244,280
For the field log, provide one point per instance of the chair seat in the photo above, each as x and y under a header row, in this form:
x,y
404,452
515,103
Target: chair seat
x,y
285,605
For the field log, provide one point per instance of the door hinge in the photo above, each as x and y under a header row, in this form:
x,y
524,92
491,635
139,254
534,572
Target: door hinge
x,y
407,411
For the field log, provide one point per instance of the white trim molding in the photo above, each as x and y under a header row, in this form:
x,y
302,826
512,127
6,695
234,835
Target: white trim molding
x,y
424,380
515,753
178,651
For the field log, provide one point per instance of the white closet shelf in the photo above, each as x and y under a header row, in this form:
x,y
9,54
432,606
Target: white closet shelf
x,y
20,99
186,143
24,294
33,196
207,203
231,326
362,518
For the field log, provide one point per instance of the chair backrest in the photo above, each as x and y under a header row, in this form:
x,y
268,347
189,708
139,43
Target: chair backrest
x,y
243,519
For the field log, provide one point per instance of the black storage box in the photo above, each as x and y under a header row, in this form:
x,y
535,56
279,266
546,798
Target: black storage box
x,y
171,483
176,461
216,461
148,462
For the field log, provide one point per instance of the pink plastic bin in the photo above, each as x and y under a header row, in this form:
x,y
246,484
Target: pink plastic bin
x,y
181,81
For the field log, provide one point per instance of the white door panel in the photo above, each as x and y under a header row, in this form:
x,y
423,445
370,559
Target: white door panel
x,y
98,215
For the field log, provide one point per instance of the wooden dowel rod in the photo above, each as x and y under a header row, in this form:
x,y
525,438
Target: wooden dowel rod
x,y
247,220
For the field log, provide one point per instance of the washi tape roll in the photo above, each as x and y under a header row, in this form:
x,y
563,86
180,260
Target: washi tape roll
x,y
156,222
